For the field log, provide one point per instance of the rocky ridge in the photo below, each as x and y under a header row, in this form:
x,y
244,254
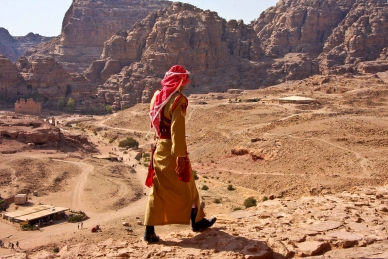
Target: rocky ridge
x,y
203,42
288,42
15,47
126,57
34,132
350,224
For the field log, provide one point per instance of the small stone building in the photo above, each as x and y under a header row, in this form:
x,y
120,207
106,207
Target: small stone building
x,y
20,199
28,107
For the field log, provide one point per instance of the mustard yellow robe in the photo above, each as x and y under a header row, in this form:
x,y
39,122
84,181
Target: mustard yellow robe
x,y
170,200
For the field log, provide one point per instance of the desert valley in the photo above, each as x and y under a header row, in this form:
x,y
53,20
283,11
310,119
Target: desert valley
x,y
289,112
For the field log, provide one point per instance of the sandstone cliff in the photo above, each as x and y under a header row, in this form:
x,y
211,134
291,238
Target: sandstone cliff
x,y
126,57
45,80
15,47
359,42
88,24
221,55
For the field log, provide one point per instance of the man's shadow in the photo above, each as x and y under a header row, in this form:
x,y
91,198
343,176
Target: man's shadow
x,y
219,241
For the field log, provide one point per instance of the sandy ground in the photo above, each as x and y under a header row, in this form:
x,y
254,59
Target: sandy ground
x,y
283,150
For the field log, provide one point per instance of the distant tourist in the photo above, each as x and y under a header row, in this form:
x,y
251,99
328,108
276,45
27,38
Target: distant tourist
x,y
169,173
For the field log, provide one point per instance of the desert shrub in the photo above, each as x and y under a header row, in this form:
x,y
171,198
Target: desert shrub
x,y
146,155
56,250
76,216
128,142
236,208
205,188
205,177
27,227
111,140
250,202
146,164
70,105
230,188
1,201
217,201
265,198
108,109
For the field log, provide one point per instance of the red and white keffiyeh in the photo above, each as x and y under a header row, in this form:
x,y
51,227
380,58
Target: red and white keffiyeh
x,y
171,83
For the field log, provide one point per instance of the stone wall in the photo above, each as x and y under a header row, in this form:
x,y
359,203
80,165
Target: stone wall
x,y
28,107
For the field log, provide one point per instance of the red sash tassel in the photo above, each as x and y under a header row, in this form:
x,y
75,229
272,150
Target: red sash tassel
x,y
185,175
151,171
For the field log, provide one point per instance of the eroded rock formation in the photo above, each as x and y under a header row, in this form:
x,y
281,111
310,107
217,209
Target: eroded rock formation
x,y
88,24
359,42
15,47
221,55
126,57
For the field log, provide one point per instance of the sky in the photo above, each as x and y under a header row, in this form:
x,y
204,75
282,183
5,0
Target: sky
x,y
45,17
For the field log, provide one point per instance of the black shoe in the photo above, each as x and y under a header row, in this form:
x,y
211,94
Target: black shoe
x,y
151,237
203,224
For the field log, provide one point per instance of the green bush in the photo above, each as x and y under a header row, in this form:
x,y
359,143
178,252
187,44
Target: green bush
x,y
70,105
205,188
27,227
128,142
76,216
1,201
265,198
108,109
230,188
250,202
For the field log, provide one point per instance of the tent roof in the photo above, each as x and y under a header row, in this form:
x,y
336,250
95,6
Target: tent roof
x,y
35,212
296,98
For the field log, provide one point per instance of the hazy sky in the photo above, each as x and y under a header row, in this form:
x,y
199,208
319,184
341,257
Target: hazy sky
x,y
45,17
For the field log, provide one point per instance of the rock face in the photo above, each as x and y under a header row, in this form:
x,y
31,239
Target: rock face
x,y
299,25
9,76
221,55
34,132
359,42
126,57
88,24
15,47
45,80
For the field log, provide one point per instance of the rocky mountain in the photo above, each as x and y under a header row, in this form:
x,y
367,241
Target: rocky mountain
x,y
359,43
294,40
88,24
14,47
125,56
